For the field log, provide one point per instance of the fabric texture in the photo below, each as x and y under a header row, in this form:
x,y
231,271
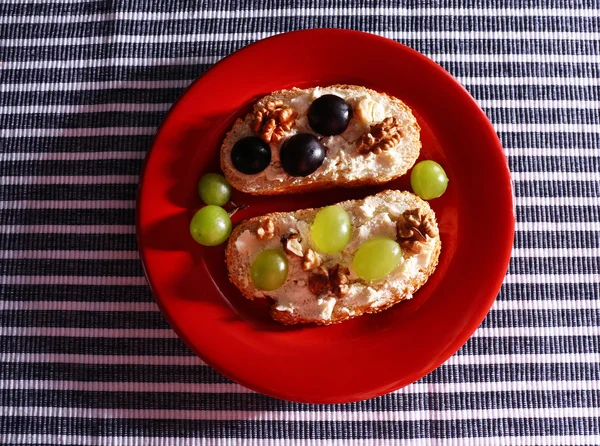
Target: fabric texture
x,y
86,358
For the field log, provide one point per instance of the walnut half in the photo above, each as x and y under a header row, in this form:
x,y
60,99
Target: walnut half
x,y
381,137
272,121
413,229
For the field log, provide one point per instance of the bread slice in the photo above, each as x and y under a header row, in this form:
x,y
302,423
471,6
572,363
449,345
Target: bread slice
x,y
378,215
344,166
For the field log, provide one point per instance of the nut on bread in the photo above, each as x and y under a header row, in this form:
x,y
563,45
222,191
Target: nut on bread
x,y
323,288
381,143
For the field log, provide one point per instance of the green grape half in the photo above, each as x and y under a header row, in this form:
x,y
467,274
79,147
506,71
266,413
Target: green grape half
x,y
428,180
210,226
269,269
214,189
332,229
376,258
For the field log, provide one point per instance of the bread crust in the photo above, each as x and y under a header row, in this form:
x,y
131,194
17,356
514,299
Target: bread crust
x,y
237,270
259,185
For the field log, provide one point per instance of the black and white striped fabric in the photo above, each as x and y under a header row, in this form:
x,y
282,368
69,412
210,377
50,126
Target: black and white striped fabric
x,y
86,358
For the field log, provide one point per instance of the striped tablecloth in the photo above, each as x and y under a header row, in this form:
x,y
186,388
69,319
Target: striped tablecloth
x,y
85,356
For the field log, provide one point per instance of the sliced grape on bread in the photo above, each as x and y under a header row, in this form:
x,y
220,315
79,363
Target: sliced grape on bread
x,y
381,142
323,288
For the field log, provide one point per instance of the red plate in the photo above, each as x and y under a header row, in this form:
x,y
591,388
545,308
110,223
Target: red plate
x,y
368,356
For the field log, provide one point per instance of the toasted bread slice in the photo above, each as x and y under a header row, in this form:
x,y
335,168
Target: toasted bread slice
x,y
341,295
348,162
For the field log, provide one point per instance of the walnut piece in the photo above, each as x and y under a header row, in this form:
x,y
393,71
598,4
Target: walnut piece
x,y
291,244
381,137
413,229
272,121
318,282
335,280
266,229
311,260
338,280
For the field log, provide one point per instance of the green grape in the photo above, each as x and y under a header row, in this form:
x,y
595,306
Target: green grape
x,y
428,180
210,226
376,258
214,189
331,229
269,269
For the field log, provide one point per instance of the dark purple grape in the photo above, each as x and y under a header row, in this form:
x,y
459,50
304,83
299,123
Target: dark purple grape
x,y
251,155
329,115
301,155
